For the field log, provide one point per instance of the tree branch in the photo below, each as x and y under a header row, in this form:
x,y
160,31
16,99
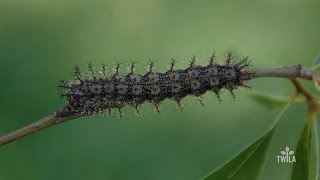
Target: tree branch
x,y
60,116
296,71
65,114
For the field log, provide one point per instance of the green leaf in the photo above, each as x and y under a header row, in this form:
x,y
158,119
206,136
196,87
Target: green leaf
x,y
316,66
270,101
317,61
314,155
251,161
248,163
317,85
306,166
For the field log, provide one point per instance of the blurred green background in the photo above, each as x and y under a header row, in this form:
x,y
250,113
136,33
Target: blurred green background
x,y
41,41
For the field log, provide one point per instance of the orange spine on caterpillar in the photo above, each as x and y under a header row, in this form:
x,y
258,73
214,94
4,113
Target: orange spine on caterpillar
x,y
98,92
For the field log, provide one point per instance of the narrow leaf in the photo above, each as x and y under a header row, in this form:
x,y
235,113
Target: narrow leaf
x,y
317,85
316,66
314,154
248,163
270,101
302,169
317,61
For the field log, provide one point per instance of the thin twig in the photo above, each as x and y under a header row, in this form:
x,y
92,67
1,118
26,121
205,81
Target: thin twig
x,y
296,71
312,100
64,114
302,90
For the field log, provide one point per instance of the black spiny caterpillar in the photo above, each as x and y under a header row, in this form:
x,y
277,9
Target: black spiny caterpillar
x,y
98,91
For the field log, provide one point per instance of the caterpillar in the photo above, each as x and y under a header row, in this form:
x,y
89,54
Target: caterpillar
x,y
95,91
